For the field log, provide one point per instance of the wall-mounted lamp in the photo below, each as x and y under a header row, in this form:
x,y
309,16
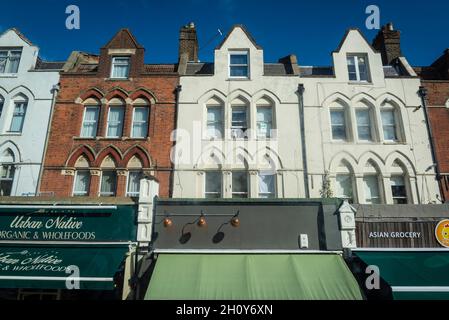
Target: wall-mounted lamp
x,y
235,221
202,220
168,223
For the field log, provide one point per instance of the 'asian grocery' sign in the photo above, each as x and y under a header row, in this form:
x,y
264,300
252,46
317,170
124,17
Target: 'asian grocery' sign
x,y
69,225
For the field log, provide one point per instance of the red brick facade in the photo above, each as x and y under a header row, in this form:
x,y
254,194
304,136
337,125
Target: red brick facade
x,y
88,79
435,79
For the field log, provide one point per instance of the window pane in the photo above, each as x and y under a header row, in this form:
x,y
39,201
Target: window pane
x,y
115,122
1,105
266,186
239,59
6,179
108,184
399,190
14,61
239,71
213,184
215,122
364,125
344,187
140,123
18,117
82,183
240,184
134,183
363,70
120,67
239,122
264,122
338,125
90,123
372,195
389,125
3,60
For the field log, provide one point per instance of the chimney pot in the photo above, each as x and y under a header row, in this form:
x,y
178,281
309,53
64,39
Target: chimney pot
x,y
188,43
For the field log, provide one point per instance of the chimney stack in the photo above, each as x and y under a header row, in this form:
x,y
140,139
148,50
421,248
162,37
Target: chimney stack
x,y
388,43
188,43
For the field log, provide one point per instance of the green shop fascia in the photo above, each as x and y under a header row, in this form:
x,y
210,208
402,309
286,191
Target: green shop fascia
x,y
66,245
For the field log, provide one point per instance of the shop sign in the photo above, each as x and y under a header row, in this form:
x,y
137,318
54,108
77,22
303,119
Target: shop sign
x,y
442,233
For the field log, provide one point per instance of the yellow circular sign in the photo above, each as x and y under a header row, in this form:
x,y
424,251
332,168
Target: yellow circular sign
x,y
442,233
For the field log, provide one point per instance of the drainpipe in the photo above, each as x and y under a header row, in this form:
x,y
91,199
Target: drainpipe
x,y
172,175
300,92
422,92
54,91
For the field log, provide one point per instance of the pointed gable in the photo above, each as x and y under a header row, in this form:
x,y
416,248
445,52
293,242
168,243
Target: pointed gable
x,y
123,39
242,28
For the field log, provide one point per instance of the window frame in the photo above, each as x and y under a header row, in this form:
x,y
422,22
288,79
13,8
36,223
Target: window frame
x,y
247,193
274,193
370,124
8,57
352,199
243,133
355,57
222,126
114,64
397,126
114,194
25,102
75,193
146,122
108,121
346,127
406,189
269,134
96,122
247,65
128,180
220,192
9,178
379,189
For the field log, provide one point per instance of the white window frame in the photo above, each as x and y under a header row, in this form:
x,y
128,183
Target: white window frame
x,y
379,189
371,124
270,133
13,167
128,180
114,63
397,125
353,187
139,122
355,57
239,52
346,124
248,190
235,128
262,194
84,121
220,193
8,59
222,127
406,187
114,194
24,116
75,193
122,123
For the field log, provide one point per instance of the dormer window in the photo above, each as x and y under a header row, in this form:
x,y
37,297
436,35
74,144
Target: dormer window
x,y
239,64
9,60
358,68
120,67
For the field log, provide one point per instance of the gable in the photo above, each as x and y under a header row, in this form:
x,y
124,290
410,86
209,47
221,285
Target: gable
x,y
14,38
355,40
124,39
238,37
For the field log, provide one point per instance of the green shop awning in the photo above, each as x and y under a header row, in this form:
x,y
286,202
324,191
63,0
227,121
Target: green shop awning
x,y
412,275
252,277
48,267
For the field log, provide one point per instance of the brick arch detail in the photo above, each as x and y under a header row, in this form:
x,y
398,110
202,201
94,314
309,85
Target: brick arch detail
x,y
81,151
92,93
138,152
117,93
148,95
109,151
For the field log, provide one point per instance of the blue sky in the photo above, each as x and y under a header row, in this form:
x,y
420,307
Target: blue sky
x,y
310,29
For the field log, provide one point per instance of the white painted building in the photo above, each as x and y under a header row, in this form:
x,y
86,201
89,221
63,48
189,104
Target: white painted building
x,y
238,123
365,130
26,99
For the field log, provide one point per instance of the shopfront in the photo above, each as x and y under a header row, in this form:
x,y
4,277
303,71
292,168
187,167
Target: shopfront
x,y
65,249
407,246
247,250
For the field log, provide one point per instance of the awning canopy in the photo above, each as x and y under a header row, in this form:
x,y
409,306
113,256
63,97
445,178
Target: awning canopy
x,y
412,274
52,267
252,277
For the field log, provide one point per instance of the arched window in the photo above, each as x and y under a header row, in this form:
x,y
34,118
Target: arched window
x,y
7,173
108,185
399,184
239,119
82,178
344,182
339,122
371,182
215,116
391,122
19,113
116,118
365,124
141,114
135,175
90,120
264,118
